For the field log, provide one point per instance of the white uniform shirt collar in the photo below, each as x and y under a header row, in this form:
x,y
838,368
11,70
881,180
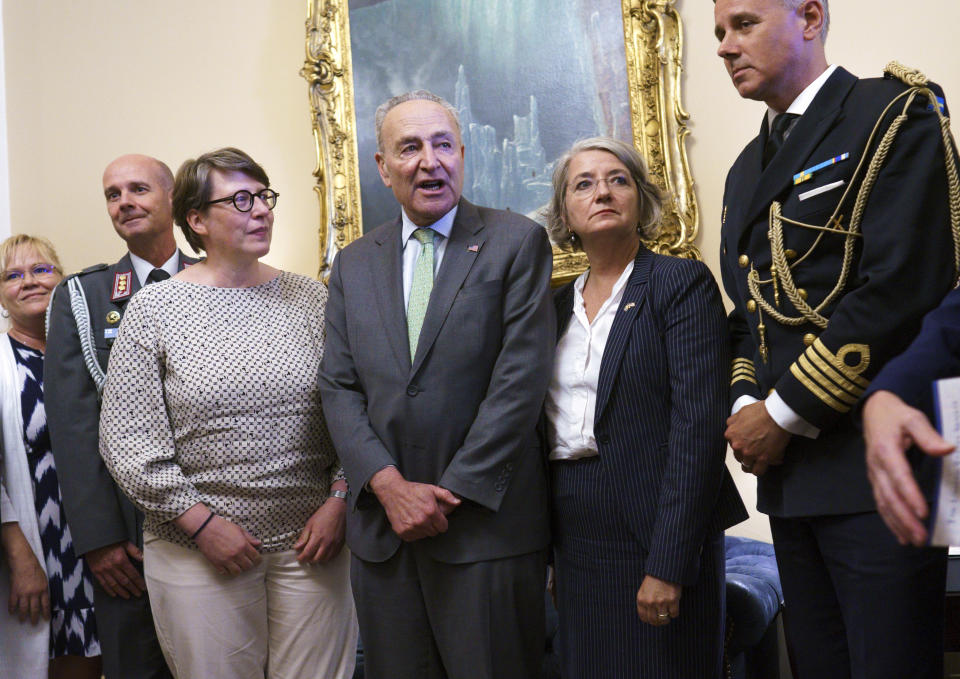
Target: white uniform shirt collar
x,y
143,268
442,226
805,98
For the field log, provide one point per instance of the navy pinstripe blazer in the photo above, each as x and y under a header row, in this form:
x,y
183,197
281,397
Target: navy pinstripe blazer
x,y
662,404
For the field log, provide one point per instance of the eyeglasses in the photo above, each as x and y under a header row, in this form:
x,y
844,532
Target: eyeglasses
x,y
585,187
16,276
243,199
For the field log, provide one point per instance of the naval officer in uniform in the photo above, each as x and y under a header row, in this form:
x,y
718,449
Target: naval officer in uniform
x,y
84,318
836,240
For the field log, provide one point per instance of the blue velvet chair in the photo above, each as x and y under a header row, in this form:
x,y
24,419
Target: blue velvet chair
x,y
754,600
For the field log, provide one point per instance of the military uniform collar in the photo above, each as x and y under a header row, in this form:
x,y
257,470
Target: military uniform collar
x,y
143,268
800,105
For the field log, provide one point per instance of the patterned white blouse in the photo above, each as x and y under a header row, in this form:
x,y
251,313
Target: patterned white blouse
x,y
211,396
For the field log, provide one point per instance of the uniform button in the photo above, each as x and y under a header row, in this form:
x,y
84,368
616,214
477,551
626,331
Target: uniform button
x,y
743,261
802,293
412,390
790,253
809,338
751,306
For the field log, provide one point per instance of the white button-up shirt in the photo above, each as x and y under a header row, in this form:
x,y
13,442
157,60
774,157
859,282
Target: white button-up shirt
x,y
572,397
412,248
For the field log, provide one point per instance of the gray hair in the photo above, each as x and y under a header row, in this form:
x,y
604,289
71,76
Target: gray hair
x,y
795,4
649,196
413,95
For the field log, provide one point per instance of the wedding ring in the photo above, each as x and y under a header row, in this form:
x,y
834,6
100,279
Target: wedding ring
x,y
663,615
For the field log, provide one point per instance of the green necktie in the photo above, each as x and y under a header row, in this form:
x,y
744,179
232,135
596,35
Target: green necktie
x,y
420,289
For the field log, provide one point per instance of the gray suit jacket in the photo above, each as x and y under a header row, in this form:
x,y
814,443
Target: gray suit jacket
x,y
99,513
464,414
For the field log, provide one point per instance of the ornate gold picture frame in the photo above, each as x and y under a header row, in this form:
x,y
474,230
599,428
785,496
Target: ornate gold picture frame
x,y
653,41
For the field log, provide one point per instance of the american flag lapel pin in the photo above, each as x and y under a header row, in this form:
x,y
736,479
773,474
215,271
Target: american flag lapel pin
x,y
474,248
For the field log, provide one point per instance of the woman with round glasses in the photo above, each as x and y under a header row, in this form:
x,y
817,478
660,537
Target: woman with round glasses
x,y
48,628
635,410
217,433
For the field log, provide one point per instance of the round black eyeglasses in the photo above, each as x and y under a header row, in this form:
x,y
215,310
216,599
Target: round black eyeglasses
x,y
243,199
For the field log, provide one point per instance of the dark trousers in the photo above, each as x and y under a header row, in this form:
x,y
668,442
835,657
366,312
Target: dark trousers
x,y
599,566
858,604
128,640
423,619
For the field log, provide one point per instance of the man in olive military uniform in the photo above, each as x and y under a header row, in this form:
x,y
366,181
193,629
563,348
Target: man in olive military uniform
x,y
84,319
826,288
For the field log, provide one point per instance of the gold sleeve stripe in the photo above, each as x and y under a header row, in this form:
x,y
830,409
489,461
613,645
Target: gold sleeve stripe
x,y
742,378
825,383
743,364
829,372
743,373
817,391
836,360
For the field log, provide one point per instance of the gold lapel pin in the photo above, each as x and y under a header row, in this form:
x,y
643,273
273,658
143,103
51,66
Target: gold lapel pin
x,y
629,306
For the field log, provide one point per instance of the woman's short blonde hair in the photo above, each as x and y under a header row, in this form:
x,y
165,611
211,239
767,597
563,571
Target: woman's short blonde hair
x,y
43,247
651,201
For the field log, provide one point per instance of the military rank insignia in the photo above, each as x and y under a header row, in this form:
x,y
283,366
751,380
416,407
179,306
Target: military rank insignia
x,y
804,175
122,283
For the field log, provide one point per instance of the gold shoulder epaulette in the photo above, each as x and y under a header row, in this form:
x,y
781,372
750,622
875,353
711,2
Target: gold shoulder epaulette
x,y
909,76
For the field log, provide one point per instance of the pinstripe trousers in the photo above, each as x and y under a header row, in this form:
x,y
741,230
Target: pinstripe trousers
x,y
599,567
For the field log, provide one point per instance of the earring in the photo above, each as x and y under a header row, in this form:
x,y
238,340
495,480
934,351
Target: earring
x,y
5,313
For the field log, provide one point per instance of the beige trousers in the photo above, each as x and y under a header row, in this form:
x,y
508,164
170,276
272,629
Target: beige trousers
x,y
279,620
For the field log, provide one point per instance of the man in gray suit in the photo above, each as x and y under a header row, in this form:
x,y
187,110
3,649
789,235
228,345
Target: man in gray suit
x,y
439,348
84,318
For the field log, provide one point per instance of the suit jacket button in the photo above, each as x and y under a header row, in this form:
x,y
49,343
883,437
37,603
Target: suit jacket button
x,y
412,390
604,439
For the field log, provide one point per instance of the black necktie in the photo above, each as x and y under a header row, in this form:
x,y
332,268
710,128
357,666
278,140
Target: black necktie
x,y
157,275
775,139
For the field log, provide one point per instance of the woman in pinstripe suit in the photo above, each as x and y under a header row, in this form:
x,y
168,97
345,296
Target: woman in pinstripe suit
x,y
635,412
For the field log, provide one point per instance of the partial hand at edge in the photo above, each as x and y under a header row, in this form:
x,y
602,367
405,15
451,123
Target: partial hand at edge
x,y
415,510
657,596
29,590
322,536
890,428
113,567
757,441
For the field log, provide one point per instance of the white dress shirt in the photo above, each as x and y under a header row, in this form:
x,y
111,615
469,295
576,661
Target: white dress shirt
x,y
572,397
412,247
785,416
143,268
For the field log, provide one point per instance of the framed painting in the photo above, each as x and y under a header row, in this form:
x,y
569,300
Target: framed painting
x,y
528,79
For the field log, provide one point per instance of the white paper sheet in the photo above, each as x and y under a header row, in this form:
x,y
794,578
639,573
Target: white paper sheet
x,y
946,521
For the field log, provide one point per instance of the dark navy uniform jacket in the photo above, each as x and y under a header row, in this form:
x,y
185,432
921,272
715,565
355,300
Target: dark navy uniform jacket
x,y
901,267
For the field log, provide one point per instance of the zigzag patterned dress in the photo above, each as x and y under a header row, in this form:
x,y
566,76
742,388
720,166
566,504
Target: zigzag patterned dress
x,y
73,628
